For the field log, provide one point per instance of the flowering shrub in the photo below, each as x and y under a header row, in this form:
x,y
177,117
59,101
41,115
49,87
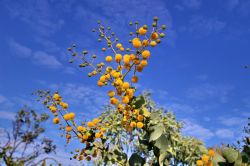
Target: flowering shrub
x,y
131,130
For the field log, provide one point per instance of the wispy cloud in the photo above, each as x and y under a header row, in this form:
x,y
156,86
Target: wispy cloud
x,y
7,115
233,121
38,57
190,4
196,130
209,91
181,108
44,59
5,102
19,49
224,133
201,26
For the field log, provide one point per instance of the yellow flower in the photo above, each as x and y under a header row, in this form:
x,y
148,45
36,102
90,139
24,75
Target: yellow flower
x,y
126,59
142,31
111,93
64,105
199,163
205,158
128,128
145,54
132,124
139,125
68,136
132,57
103,129
66,117
108,58
136,43
139,68
118,58
100,83
136,60
81,129
108,69
120,107
98,135
118,82
130,93
52,109
125,85
90,124
114,101
152,43
135,111
115,74
134,79
154,36
79,135
136,38
211,153
72,115
145,43
69,116
68,128
118,45
125,99
140,118
85,137
144,63
210,163
56,97
95,121
103,78
121,49
56,120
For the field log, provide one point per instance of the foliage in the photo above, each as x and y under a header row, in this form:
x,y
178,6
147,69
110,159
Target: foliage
x,y
131,130
24,144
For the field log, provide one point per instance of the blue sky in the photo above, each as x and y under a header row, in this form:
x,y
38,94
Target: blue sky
x,y
197,72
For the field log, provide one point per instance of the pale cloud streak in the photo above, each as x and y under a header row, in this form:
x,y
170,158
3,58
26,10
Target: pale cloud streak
x,y
224,133
196,130
19,49
44,59
233,121
209,91
37,57
7,115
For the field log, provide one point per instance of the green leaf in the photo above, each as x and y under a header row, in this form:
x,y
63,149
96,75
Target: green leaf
x,y
136,160
154,115
162,159
230,154
156,133
138,102
218,159
203,149
162,142
238,162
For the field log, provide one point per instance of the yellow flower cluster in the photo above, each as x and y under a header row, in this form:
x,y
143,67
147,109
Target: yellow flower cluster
x,y
119,72
88,133
120,65
206,159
